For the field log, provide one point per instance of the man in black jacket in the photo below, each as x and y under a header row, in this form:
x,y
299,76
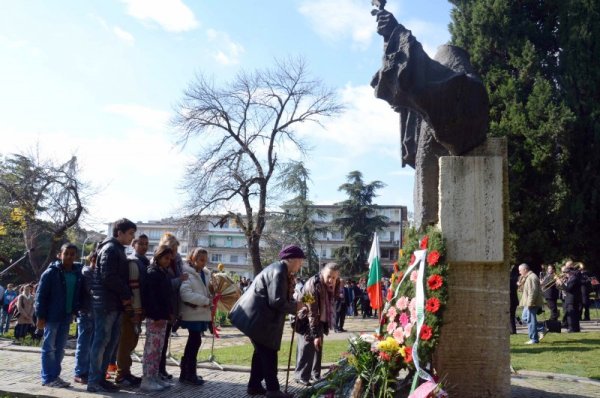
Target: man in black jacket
x,y
550,292
260,314
110,295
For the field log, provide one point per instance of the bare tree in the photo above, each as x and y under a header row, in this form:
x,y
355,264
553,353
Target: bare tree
x,y
246,127
45,198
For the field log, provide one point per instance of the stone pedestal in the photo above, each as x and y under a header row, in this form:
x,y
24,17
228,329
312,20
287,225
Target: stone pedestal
x,y
473,357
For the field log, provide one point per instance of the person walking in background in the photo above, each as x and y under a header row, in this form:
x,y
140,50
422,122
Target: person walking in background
x,y
341,306
157,304
85,322
132,319
550,292
9,295
531,301
586,289
323,288
56,302
260,314
195,312
25,325
110,295
514,298
176,276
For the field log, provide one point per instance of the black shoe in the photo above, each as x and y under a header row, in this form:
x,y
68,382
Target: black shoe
x,y
129,381
342,330
256,390
108,386
164,375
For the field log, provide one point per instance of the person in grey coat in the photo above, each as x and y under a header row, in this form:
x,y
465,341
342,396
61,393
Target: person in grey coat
x,y
260,314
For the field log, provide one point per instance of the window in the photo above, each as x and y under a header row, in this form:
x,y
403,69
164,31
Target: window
x,y
337,235
216,258
154,234
234,258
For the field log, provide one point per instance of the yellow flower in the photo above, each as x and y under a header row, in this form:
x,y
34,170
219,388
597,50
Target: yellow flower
x,y
389,344
308,299
402,351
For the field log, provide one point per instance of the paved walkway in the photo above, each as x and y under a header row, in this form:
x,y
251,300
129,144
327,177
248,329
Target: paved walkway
x,y
20,366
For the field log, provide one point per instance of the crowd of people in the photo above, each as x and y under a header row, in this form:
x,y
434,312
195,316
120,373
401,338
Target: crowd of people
x,y
573,286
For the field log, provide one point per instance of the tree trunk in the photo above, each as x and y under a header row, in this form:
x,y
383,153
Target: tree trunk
x,y
254,249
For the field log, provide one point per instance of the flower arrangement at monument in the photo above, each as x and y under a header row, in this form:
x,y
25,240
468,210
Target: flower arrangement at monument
x,y
396,360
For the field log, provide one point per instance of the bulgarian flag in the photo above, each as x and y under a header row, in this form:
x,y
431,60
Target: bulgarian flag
x,y
374,282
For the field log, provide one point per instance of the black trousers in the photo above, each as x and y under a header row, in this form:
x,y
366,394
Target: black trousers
x,y
553,309
263,367
573,317
340,317
192,346
162,368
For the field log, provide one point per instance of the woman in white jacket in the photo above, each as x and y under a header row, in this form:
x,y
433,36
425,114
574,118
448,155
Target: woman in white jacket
x,y
195,312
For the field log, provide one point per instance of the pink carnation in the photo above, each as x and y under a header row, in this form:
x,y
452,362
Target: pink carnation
x,y
412,306
391,327
407,330
413,276
404,319
391,313
402,303
399,335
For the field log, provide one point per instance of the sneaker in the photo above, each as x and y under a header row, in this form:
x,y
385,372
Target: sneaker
x,y
531,342
128,381
108,386
163,383
149,384
80,379
305,383
543,333
58,383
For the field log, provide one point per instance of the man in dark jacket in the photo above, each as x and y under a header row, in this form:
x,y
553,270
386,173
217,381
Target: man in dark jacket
x,y
110,295
572,299
56,302
341,306
322,290
550,292
260,314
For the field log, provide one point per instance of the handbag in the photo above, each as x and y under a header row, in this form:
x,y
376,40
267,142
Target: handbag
x,y
300,322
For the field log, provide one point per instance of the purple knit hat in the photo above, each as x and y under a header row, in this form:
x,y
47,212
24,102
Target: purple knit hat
x,y
291,251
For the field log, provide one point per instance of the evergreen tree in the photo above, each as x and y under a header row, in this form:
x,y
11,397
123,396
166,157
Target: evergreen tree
x,y
357,221
537,62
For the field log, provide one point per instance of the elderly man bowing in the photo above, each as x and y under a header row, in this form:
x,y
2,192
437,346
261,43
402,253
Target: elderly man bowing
x,y
260,315
322,289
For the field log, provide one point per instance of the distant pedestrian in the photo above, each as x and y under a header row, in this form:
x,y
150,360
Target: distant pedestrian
x,y
25,325
56,303
531,301
9,295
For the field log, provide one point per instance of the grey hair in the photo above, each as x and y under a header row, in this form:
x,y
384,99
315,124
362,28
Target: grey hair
x,y
331,266
524,266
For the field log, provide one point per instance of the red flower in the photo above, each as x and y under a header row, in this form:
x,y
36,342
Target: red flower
x,y
426,332
400,276
424,242
433,257
396,268
408,352
412,259
384,356
434,282
432,305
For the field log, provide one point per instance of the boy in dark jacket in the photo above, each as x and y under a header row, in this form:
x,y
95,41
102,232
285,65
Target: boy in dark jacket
x,y
110,295
56,301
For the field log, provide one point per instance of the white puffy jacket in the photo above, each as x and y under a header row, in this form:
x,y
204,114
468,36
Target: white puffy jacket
x,y
194,291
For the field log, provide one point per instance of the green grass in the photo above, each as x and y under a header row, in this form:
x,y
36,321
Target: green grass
x,y
567,353
242,355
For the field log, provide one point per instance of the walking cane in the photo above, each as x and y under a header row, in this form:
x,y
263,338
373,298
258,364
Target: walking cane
x,y
287,376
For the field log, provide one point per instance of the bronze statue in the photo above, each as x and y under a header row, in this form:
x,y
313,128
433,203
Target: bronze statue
x,y
442,103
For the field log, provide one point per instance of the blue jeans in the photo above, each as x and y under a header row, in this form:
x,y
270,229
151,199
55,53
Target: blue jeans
x,y
530,317
4,321
85,334
107,326
53,349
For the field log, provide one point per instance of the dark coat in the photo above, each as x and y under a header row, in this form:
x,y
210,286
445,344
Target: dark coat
x,y
573,289
110,286
85,297
260,312
156,297
51,295
550,293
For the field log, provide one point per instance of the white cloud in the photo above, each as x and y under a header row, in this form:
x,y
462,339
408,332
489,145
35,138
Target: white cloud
x,y
335,20
228,51
141,115
125,36
19,44
171,15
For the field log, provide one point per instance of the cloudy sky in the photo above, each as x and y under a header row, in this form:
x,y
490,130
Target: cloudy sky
x,y
100,79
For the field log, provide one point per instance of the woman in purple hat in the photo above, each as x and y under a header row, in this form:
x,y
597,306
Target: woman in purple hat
x,y
260,314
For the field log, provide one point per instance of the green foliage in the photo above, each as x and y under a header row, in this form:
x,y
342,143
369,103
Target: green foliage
x,y
538,63
358,221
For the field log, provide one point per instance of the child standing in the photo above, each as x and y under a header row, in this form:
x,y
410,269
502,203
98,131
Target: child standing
x,y
56,301
156,301
25,318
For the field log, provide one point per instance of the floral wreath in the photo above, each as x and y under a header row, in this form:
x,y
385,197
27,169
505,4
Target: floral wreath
x,y
374,361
